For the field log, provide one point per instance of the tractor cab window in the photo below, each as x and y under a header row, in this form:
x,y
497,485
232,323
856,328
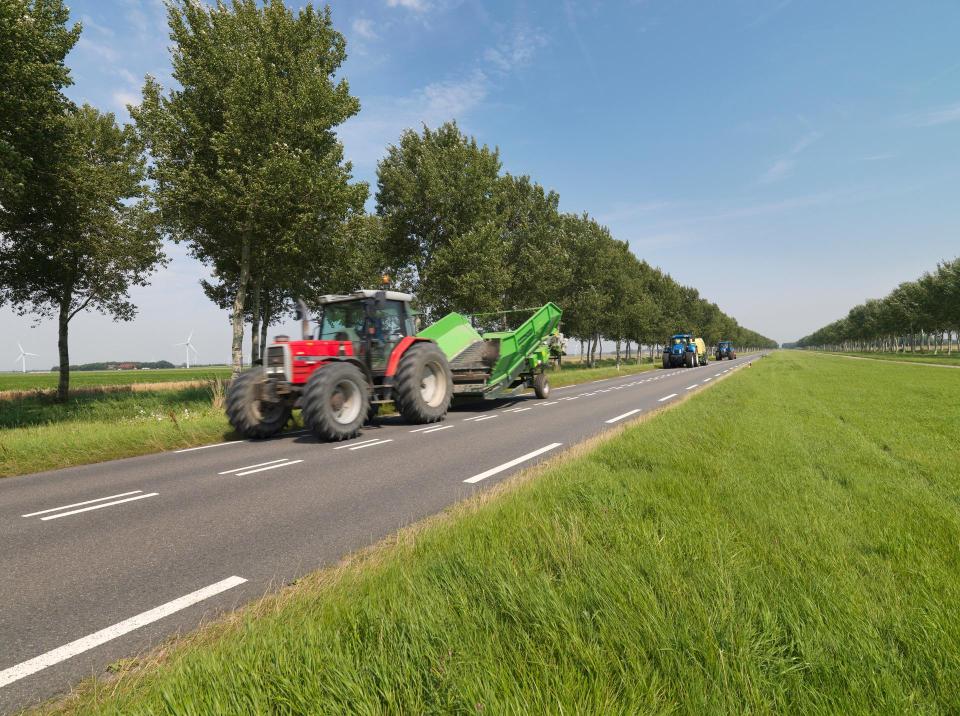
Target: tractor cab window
x,y
342,321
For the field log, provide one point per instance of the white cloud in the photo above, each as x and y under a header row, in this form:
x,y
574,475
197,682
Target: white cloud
x,y
516,52
382,119
121,99
415,5
363,28
935,117
784,165
85,44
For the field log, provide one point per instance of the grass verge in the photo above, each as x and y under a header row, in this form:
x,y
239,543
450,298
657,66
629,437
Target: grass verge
x,y
99,378
785,541
932,358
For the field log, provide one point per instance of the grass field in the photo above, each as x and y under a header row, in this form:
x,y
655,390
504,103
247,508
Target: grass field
x,y
938,359
783,542
91,378
38,434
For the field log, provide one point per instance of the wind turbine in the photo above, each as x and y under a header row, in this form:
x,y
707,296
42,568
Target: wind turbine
x,y
23,358
188,346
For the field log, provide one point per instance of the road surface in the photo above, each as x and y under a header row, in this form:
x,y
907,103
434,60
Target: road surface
x,y
102,562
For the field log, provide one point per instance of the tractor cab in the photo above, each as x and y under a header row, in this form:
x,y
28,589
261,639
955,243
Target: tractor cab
x,y
681,342
725,349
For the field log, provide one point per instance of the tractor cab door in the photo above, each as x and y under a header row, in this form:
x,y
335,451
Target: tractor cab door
x,y
385,327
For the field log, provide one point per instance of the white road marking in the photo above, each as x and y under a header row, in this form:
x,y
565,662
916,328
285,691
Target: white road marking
x,y
625,415
708,380
249,467
552,402
204,447
716,374
68,651
667,397
98,507
433,430
80,504
420,430
379,442
507,465
475,417
691,387
272,467
350,445
519,410
486,417
570,397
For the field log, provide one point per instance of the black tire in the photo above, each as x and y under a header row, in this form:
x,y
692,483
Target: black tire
x,y
336,401
687,359
666,360
424,384
733,356
541,387
248,414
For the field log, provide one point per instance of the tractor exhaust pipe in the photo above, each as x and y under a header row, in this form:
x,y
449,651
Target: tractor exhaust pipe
x,y
303,315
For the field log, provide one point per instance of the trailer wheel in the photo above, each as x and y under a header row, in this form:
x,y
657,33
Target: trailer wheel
x,y
424,385
249,415
541,387
336,401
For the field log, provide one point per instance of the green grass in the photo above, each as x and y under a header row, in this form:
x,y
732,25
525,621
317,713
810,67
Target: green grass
x,y
783,542
91,378
938,358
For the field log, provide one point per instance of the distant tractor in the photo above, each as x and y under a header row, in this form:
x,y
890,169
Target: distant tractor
x,y
367,351
684,351
725,349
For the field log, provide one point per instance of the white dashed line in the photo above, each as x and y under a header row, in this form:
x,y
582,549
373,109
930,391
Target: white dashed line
x,y
507,465
625,415
271,467
350,445
80,504
667,397
68,651
99,507
250,467
691,387
433,430
379,442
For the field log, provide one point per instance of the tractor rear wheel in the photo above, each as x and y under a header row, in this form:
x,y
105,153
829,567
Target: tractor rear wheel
x,y
336,401
251,415
424,384
541,387
666,359
688,360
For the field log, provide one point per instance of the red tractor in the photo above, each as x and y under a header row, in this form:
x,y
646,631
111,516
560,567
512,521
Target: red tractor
x,y
365,352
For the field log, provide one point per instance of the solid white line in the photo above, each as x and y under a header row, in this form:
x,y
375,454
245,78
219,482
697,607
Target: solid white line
x,y
691,387
97,507
667,397
486,417
625,415
78,504
272,467
248,467
350,445
204,447
379,442
507,465
433,430
68,651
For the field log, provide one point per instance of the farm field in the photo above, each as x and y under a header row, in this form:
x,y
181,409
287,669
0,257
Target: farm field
x,y
937,358
37,434
785,541
100,378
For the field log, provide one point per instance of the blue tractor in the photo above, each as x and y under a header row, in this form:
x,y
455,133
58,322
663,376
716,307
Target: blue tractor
x,y
684,351
725,349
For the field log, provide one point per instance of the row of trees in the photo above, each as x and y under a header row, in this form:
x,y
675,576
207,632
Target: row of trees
x,y
921,315
241,162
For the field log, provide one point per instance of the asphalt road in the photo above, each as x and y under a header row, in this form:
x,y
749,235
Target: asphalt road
x,y
104,561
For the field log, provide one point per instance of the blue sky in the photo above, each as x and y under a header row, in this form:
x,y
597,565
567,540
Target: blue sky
x,y
790,159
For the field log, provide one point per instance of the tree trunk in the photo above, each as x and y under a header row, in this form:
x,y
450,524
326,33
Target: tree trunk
x,y
264,325
63,387
236,320
255,323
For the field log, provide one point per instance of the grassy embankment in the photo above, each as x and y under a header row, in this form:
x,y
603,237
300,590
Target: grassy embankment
x,y
38,434
785,541
933,358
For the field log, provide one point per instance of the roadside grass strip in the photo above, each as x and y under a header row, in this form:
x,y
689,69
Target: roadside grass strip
x,y
798,555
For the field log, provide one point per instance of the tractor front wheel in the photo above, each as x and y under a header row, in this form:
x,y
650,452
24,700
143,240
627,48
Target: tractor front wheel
x,y
541,387
424,384
666,360
248,412
336,401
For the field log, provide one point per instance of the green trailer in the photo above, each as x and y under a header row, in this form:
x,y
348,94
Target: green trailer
x,y
499,363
